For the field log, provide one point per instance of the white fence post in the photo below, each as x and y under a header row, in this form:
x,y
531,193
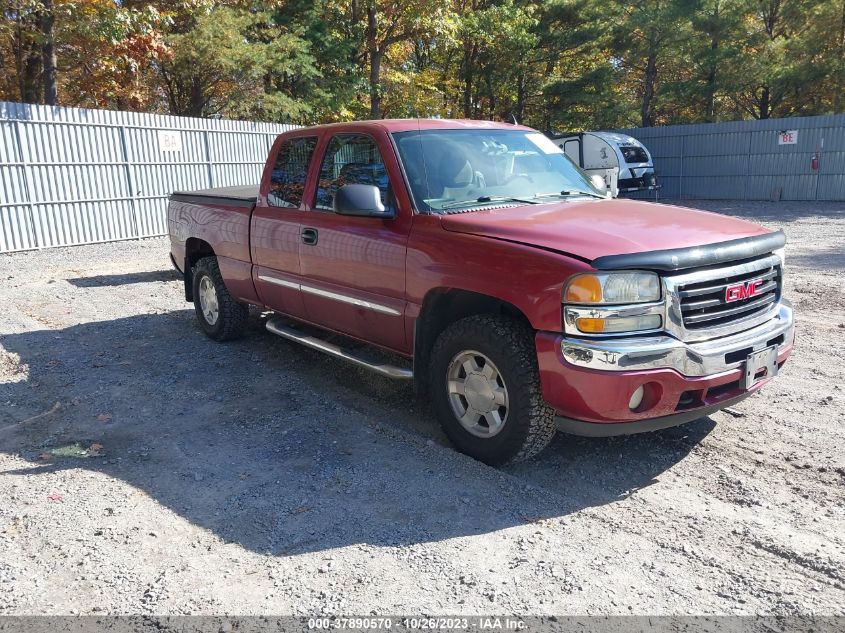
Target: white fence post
x,y
130,184
208,159
29,191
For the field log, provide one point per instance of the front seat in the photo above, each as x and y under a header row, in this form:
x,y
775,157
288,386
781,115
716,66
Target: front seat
x,y
459,179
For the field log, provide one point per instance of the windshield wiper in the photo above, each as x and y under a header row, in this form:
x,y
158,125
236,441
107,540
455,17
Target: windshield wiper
x,y
485,200
566,193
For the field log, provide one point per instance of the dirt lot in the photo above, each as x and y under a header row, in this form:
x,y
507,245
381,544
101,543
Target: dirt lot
x,y
147,469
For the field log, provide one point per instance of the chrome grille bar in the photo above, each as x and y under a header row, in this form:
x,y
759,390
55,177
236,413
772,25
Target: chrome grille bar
x,y
689,291
695,319
715,301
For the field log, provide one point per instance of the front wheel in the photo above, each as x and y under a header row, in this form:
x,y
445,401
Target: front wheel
x,y
220,316
486,389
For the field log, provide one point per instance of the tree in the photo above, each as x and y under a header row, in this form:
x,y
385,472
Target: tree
x,y
646,36
773,64
716,29
576,73
234,61
108,53
46,20
391,22
554,64
22,50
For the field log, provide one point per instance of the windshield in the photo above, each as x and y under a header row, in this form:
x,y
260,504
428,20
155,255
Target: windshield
x,y
465,169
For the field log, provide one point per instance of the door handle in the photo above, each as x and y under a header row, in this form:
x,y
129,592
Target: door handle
x,y
309,236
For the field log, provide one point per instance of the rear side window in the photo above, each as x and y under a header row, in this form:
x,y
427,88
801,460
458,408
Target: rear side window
x,y
351,159
287,183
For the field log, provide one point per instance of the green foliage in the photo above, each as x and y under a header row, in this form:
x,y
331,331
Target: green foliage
x,y
553,64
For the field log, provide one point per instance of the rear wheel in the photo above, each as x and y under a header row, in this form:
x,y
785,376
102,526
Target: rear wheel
x,y
486,389
220,316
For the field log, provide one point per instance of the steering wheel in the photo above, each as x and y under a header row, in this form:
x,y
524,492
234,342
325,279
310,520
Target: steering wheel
x,y
513,177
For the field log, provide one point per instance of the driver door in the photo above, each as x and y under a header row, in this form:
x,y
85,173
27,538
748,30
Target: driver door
x,y
353,268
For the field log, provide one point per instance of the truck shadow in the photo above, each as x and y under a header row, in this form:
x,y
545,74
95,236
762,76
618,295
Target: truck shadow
x,y
124,278
278,448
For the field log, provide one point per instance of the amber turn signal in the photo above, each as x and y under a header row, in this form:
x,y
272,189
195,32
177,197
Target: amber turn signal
x,y
590,326
584,289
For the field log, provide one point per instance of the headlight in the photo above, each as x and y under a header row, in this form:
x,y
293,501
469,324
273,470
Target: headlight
x,y
612,303
612,288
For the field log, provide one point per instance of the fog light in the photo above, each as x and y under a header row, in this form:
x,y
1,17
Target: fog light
x,y
617,324
636,398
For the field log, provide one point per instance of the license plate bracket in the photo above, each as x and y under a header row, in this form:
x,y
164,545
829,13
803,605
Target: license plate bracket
x,y
766,358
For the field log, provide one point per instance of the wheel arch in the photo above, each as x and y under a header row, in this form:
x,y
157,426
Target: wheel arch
x,y
195,249
443,306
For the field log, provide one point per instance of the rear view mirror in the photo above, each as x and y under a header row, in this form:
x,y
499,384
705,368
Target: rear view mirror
x,y
361,201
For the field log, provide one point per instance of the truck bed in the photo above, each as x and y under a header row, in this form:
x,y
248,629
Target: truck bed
x,y
239,196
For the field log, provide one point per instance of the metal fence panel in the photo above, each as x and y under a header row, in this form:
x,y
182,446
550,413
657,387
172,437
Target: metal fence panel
x,y
743,159
831,187
75,176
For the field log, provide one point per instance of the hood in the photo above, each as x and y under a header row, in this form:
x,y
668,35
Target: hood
x,y
597,228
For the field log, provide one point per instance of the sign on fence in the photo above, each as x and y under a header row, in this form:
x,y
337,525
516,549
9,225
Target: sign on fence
x,y
788,137
169,141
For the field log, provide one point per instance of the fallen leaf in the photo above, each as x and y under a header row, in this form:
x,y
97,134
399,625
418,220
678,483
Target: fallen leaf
x,y
45,456
95,447
104,417
55,497
301,510
244,476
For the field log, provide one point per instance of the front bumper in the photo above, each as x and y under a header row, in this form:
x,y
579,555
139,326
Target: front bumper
x,y
690,359
591,381
646,182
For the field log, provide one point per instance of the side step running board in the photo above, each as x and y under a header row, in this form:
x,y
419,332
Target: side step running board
x,y
277,326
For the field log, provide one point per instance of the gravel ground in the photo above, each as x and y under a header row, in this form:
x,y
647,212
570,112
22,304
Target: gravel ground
x,y
145,469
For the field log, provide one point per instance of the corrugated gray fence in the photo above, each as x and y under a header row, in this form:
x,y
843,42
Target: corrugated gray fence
x,y
74,176
750,160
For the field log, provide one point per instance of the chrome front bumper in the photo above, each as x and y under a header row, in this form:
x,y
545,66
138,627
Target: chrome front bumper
x,y
690,359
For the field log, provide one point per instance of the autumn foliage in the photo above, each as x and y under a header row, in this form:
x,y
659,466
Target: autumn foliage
x,y
555,64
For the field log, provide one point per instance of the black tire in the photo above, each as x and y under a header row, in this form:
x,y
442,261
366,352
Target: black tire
x,y
529,423
231,316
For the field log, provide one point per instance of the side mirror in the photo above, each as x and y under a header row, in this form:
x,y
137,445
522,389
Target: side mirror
x,y
361,201
599,183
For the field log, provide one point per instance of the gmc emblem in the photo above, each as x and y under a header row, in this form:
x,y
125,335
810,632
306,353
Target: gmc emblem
x,y
744,290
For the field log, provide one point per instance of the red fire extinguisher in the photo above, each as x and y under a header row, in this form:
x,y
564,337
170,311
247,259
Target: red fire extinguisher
x,y
814,162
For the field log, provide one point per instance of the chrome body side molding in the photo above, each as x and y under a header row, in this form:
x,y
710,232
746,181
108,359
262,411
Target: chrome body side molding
x,y
368,305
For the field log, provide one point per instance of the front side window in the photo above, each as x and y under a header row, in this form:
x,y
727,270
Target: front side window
x,y
463,169
290,170
351,159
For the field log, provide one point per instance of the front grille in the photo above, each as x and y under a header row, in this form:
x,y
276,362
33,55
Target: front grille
x,y
705,304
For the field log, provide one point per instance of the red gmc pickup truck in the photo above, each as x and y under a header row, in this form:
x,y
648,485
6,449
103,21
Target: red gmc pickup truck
x,y
495,274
